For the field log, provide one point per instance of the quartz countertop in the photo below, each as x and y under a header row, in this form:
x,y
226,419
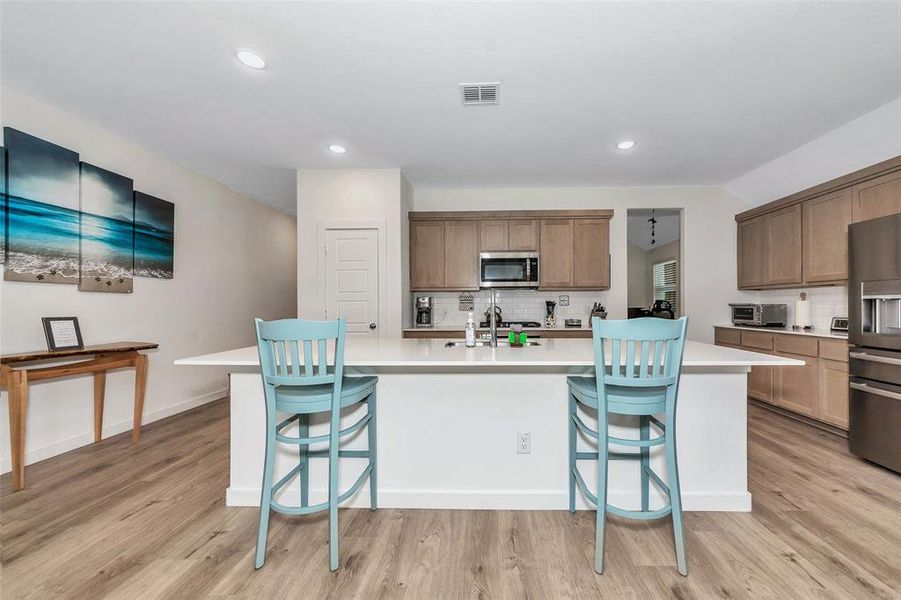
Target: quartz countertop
x,y
820,333
428,353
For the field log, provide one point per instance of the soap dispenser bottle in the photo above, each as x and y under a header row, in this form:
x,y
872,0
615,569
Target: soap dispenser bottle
x,y
470,332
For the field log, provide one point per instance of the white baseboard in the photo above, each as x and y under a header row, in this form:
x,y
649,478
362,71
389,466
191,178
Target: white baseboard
x,y
34,455
505,500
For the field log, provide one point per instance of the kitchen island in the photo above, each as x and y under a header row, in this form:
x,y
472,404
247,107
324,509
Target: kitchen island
x,y
450,418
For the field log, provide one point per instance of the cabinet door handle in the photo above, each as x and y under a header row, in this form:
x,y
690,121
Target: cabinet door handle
x,y
875,358
875,391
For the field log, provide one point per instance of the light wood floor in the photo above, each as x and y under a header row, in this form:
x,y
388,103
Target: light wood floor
x,y
113,521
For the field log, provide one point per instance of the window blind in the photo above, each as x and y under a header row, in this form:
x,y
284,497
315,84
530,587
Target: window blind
x,y
666,283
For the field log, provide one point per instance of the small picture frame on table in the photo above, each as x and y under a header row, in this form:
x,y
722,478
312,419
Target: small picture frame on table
x,y
62,333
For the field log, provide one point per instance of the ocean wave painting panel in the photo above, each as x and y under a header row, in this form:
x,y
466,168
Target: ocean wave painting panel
x,y
106,231
42,210
154,237
2,204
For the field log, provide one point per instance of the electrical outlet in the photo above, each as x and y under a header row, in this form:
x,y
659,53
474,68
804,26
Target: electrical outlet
x,y
564,300
523,442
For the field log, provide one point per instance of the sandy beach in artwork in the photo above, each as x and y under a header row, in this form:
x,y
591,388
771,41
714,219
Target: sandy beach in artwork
x,y
105,277
23,266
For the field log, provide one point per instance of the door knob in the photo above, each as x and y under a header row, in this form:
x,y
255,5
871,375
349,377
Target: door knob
x,y
372,325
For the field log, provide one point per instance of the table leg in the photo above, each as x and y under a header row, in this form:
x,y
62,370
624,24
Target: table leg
x,y
99,389
18,404
140,388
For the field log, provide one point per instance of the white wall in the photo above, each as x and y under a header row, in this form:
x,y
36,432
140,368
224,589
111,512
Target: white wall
x,y
234,259
867,140
638,292
708,242
406,205
331,195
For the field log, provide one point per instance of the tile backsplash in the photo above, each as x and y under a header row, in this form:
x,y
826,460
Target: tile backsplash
x,y
825,303
516,305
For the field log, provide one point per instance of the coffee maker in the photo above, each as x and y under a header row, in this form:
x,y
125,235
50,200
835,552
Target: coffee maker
x,y
422,311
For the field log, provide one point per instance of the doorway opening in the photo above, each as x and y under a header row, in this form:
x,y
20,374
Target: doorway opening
x,y
654,262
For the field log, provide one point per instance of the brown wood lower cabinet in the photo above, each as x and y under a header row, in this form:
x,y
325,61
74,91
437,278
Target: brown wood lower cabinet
x,y
834,393
760,383
797,388
817,390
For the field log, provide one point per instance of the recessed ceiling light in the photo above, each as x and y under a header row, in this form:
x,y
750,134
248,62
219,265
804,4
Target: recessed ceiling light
x,y
251,59
337,148
625,144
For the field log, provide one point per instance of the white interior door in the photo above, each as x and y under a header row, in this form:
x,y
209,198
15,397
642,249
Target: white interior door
x,y
352,278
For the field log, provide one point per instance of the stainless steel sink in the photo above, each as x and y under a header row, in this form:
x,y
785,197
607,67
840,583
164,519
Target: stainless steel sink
x,y
484,343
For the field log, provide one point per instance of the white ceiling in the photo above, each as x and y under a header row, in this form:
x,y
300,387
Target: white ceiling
x,y
638,230
708,90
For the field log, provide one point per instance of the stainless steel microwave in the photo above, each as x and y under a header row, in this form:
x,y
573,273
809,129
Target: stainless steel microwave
x,y
759,315
508,269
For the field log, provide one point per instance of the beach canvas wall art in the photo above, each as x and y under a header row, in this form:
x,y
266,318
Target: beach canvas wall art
x,y
107,231
2,204
154,237
42,210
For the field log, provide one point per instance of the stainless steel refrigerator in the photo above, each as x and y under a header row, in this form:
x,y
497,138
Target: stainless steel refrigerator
x,y
874,298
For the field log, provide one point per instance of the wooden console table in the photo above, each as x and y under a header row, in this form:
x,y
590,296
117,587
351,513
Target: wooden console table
x,y
18,370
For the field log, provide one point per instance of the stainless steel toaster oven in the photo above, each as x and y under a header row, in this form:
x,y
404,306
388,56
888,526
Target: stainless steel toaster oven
x,y
760,315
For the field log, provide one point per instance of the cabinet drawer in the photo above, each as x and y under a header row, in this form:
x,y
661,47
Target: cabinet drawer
x,y
834,350
757,339
730,337
796,344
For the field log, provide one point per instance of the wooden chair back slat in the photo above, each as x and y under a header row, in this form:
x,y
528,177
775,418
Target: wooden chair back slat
x,y
323,358
667,336
287,349
308,358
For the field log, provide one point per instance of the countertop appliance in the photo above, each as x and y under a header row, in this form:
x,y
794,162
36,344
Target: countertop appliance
x,y
663,309
874,306
422,311
508,269
638,312
498,314
760,315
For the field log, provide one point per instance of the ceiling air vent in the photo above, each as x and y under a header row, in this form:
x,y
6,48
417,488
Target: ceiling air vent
x,y
478,94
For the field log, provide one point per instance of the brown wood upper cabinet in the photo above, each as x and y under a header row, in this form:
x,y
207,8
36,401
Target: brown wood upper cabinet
x,y
825,240
426,255
494,235
555,269
752,252
523,235
783,246
515,235
877,197
591,253
575,254
802,239
574,246
461,255
444,255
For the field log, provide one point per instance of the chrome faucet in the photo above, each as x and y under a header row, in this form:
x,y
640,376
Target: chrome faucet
x,y
492,319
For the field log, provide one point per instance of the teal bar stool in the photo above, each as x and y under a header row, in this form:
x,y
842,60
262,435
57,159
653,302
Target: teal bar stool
x,y
294,387
643,382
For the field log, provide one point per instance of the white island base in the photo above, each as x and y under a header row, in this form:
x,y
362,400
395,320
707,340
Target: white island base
x,y
449,419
